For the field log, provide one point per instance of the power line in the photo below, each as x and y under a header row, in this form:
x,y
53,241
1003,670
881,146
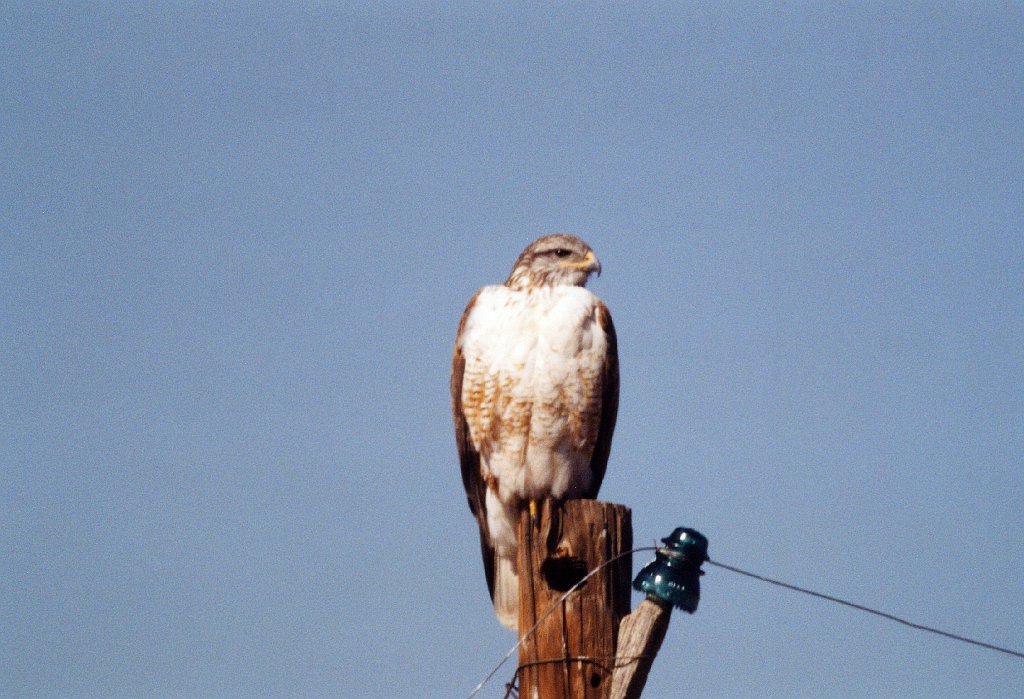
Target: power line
x,y
869,610
755,576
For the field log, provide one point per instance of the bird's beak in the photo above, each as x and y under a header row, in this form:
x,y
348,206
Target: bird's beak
x,y
589,263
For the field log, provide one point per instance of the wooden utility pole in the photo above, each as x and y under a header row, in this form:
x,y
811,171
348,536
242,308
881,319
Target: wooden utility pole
x,y
571,654
640,637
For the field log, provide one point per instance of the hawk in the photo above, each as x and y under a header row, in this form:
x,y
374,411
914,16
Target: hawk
x,y
535,391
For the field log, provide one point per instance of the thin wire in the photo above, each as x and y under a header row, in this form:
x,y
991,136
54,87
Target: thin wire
x,y
616,662
598,660
512,689
550,609
869,610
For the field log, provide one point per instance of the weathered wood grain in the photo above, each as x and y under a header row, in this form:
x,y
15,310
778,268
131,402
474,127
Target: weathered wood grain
x,y
640,637
571,655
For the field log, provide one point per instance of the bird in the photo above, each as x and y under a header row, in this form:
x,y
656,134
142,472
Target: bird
x,y
535,394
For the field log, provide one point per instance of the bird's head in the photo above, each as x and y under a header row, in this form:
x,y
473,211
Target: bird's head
x,y
554,260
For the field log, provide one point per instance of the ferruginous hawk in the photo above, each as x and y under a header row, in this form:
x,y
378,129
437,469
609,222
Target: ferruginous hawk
x,y
535,390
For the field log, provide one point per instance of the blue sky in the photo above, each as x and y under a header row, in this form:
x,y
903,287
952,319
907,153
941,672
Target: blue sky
x,y
236,241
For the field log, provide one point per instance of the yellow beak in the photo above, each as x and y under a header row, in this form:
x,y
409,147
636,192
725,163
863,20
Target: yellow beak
x,y
590,263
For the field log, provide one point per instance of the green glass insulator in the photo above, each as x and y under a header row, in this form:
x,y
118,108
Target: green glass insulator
x,y
674,574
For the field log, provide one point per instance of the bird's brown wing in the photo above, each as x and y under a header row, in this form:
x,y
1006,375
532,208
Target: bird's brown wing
x,y
609,402
469,458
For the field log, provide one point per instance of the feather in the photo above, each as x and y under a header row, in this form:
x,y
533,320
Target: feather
x,y
535,387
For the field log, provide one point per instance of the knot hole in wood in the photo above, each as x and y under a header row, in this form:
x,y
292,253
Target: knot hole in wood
x,y
562,572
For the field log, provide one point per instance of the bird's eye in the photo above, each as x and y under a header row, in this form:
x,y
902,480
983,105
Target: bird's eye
x,y
562,252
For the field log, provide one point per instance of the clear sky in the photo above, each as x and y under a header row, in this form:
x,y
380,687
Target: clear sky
x,y
236,242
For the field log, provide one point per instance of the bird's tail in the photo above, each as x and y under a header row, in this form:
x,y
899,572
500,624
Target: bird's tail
x,y
506,592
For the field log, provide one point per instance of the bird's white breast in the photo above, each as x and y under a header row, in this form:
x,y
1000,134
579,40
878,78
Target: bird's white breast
x,y
532,388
